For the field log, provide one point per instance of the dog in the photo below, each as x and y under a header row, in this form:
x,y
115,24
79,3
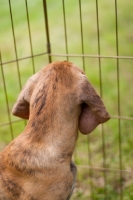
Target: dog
x,y
37,165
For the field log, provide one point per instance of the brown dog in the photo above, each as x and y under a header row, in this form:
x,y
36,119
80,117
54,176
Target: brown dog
x,y
37,164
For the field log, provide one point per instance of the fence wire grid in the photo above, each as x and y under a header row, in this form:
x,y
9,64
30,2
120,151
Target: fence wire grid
x,y
98,37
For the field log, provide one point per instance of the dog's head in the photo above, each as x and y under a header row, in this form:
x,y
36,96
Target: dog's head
x,y
66,75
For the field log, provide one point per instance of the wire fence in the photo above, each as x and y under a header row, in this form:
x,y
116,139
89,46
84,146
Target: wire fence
x,y
96,35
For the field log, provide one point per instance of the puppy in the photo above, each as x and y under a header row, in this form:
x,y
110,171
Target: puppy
x,y
37,165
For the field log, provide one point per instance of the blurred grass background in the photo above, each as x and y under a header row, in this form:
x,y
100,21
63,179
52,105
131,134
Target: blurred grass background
x,y
109,144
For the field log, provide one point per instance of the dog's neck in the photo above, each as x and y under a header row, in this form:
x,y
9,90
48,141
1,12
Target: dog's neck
x,y
45,144
56,134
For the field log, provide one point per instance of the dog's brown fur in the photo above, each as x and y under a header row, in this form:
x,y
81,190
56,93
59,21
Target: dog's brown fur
x,y
37,164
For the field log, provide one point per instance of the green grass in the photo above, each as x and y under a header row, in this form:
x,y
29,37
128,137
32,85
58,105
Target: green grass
x,y
103,151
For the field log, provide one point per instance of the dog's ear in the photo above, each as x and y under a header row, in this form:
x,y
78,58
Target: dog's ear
x,y
93,111
21,107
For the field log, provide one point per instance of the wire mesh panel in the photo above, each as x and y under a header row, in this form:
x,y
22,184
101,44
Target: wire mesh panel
x,y
97,36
